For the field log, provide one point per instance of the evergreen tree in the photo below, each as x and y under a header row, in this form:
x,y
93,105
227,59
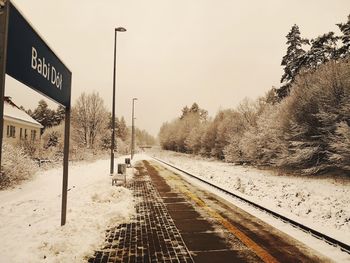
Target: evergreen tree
x,y
194,108
116,126
44,115
271,96
323,49
344,51
109,124
59,114
122,129
293,61
185,110
29,112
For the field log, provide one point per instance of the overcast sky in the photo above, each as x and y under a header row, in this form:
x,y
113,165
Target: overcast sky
x,y
175,52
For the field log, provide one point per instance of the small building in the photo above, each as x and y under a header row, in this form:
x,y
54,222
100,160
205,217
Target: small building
x,y
19,125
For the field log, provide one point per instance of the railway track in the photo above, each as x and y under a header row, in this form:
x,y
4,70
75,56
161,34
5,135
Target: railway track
x,y
336,243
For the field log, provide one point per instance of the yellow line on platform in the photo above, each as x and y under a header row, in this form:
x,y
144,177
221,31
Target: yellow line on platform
x,y
258,250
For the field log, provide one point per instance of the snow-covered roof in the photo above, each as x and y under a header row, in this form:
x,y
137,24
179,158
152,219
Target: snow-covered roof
x,y
13,113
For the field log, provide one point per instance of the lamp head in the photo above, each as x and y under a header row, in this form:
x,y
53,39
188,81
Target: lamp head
x,y
120,29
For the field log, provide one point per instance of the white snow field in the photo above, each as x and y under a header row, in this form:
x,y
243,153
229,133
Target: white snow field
x,y
318,202
30,228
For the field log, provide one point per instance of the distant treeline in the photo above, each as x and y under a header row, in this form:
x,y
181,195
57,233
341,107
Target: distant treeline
x,y
303,126
91,126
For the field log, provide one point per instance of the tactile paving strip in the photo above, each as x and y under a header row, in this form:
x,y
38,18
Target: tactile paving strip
x,y
151,237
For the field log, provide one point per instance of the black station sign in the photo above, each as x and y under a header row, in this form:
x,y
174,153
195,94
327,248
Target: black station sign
x,y
31,61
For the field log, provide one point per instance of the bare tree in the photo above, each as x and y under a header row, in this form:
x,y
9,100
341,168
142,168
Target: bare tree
x,y
89,119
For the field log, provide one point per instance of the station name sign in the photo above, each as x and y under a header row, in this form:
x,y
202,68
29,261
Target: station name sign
x,y
31,61
46,70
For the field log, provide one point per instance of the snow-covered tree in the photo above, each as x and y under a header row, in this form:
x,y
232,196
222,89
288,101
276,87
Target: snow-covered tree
x,y
122,129
44,115
53,137
323,49
59,114
174,135
185,110
314,110
167,135
293,61
249,111
224,125
89,119
142,138
208,139
340,146
344,50
272,96
308,131
194,110
263,143
194,138
245,120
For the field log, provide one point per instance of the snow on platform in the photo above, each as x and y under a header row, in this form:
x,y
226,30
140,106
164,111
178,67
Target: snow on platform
x,y
30,228
152,235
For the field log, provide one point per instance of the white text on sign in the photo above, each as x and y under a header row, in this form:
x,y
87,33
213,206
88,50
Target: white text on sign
x,y
46,70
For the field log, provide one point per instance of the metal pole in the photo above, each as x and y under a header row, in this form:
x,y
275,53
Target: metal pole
x,y
113,105
133,129
4,16
65,167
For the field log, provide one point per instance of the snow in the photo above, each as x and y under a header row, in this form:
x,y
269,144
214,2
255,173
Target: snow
x,y
30,228
18,114
320,203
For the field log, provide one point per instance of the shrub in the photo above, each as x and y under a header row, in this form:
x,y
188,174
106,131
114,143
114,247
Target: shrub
x,y
30,148
53,137
17,166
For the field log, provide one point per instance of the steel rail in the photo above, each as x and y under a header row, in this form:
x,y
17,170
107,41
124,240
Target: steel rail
x,y
332,241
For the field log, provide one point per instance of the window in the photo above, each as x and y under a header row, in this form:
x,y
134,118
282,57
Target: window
x,y
20,133
25,134
33,134
11,131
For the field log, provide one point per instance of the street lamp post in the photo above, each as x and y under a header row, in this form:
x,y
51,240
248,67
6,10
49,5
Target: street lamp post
x,y
118,29
133,129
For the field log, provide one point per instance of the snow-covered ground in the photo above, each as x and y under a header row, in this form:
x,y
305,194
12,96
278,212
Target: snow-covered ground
x,y
30,228
319,202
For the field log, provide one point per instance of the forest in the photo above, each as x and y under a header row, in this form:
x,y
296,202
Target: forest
x,y
303,126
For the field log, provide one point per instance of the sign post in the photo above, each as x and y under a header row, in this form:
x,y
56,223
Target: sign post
x,y
26,57
4,10
65,166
